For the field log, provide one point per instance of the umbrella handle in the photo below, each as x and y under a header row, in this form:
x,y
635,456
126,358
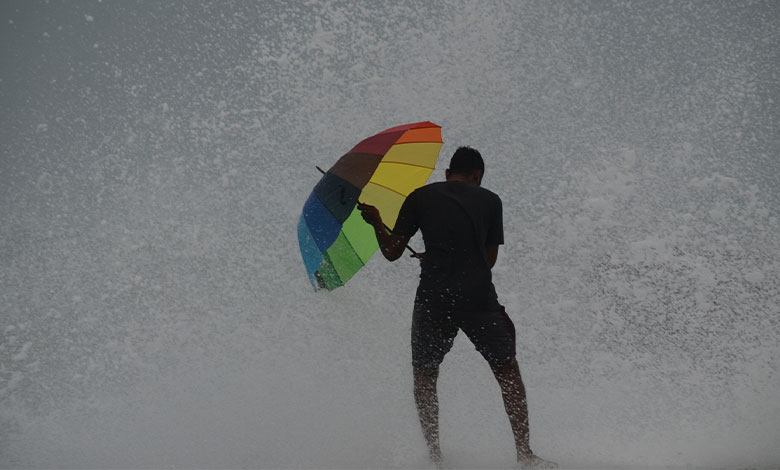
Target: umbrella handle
x,y
342,199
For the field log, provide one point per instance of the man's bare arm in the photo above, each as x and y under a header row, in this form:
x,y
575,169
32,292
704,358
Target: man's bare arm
x,y
392,246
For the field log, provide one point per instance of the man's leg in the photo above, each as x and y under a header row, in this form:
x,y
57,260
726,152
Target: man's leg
x,y
433,333
513,392
493,334
428,408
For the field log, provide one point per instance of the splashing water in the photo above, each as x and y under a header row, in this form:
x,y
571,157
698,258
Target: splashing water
x,y
154,311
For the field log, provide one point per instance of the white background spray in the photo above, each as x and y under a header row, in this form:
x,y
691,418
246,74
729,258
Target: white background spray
x,y
154,310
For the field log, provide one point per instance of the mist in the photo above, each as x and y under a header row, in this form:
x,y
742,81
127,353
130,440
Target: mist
x,y
154,307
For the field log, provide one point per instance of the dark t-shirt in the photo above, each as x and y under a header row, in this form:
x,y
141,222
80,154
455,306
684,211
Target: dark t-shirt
x,y
457,221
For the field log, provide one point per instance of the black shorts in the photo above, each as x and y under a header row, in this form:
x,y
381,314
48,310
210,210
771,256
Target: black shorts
x,y
433,333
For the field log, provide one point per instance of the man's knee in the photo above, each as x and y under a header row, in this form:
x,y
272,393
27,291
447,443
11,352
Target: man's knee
x,y
505,368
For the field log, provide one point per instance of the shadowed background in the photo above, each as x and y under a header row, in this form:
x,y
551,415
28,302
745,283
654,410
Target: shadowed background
x,y
154,309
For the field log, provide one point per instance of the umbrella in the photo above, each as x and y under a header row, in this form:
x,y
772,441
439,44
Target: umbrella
x,y
381,170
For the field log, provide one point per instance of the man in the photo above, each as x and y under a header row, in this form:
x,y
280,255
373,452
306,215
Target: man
x,y
462,227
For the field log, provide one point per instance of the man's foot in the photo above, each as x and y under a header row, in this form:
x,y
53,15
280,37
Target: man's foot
x,y
533,462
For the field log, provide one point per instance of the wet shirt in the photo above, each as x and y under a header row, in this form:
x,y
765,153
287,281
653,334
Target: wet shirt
x,y
457,221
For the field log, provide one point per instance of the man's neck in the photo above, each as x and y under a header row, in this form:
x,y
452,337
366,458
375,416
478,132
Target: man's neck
x,y
456,178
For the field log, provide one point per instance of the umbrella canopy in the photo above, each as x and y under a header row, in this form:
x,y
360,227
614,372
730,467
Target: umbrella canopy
x,y
381,171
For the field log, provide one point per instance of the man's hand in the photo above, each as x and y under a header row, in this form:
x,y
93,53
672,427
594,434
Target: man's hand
x,y
370,214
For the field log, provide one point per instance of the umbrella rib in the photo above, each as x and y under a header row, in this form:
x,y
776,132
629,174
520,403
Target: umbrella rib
x,y
407,164
326,257
385,187
417,142
353,249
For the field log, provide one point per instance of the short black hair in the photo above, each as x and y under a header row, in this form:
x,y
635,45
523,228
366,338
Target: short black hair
x,y
466,160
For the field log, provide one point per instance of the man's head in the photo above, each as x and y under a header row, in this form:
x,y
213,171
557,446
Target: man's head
x,y
466,165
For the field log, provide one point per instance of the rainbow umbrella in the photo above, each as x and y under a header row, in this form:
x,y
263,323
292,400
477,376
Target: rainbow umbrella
x,y
382,170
